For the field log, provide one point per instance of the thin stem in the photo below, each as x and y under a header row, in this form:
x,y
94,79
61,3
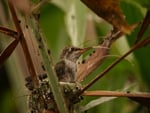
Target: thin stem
x,y
8,32
36,8
116,94
23,43
138,45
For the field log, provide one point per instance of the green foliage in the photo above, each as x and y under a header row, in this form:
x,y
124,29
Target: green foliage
x,y
144,3
121,75
141,55
64,22
53,26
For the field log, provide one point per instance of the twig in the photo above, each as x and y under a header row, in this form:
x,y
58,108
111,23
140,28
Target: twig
x,y
144,26
23,43
116,94
9,32
36,8
138,45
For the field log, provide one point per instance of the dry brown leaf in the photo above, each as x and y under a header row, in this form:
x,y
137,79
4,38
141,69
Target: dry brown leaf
x,y
96,58
110,11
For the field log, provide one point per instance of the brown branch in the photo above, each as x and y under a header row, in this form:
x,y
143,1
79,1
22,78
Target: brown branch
x,y
115,94
22,40
142,98
138,45
145,24
10,48
8,51
8,32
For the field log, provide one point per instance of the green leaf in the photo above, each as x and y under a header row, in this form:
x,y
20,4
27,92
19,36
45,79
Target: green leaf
x,y
135,13
63,4
96,102
75,20
75,13
145,3
53,27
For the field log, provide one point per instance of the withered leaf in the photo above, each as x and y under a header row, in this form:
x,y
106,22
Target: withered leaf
x,y
110,11
93,61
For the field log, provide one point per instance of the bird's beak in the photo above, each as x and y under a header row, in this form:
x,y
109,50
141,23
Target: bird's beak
x,y
81,51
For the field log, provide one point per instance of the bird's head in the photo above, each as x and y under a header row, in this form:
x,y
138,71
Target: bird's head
x,y
72,53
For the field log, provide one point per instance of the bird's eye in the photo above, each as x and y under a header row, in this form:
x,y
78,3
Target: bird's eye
x,y
70,49
73,49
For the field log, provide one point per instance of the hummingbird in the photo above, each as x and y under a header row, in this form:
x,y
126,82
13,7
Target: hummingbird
x,y
66,68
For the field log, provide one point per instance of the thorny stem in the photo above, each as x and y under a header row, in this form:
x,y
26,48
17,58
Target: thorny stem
x,y
138,45
23,43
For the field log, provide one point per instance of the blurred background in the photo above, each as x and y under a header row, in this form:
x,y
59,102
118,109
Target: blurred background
x,y
70,22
